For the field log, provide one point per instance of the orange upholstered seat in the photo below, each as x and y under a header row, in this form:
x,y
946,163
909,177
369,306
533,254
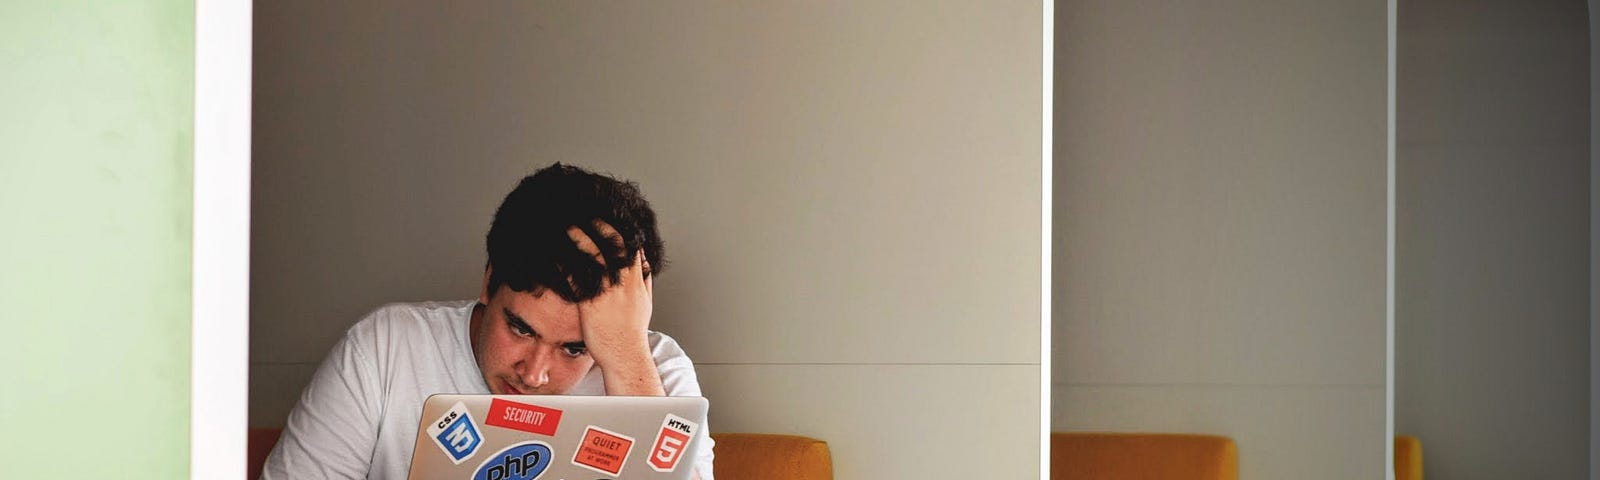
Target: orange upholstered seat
x,y
759,456
1119,456
1407,458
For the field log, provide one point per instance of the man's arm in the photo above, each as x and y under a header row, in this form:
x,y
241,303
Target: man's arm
x,y
332,430
616,329
616,323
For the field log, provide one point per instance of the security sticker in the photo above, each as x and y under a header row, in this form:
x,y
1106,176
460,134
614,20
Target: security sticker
x,y
603,451
676,432
524,417
456,434
522,461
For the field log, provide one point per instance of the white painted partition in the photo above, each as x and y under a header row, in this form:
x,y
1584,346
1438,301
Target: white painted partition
x,y
1046,237
219,361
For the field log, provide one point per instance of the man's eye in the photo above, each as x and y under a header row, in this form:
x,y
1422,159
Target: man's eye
x,y
521,330
574,351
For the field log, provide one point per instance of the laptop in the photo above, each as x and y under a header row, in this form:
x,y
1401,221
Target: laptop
x,y
557,437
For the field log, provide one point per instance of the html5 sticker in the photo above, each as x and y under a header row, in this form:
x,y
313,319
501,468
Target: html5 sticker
x,y
603,451
676,432
524,417
456,434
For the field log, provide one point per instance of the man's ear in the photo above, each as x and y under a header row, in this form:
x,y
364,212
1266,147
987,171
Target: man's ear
x,y
483,293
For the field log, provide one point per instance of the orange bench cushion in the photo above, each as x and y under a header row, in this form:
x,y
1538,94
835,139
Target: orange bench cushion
x,y
760,456
1117,456
1407,458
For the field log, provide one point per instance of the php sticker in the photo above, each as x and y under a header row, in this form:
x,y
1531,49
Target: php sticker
x,y
523,461
524,417
603,451
456,434
676,432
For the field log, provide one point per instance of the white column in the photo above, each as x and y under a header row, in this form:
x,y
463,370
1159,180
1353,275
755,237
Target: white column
x,y
221,326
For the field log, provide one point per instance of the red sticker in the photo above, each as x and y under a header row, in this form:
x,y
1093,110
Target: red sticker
x,y
671,442
603,451
524,417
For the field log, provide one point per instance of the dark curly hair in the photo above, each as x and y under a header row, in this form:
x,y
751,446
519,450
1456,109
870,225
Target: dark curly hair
x,y
530,251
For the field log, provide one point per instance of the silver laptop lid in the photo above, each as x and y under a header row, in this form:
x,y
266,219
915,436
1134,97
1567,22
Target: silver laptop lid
x,y
557,437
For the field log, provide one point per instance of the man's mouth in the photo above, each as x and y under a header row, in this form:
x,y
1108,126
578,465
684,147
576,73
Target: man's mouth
x,y
510,389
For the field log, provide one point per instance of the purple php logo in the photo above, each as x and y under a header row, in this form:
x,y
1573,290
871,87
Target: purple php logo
x,y
523,461
456,434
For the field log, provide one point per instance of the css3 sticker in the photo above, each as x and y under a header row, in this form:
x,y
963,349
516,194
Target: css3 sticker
x,y
522,461
456,434
676,432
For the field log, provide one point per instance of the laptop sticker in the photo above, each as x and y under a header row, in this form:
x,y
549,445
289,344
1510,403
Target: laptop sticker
x,y
676,432
603,451
522,461
456,434
524,417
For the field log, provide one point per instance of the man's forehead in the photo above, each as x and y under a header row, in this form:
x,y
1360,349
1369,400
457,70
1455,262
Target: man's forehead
x,y
539,305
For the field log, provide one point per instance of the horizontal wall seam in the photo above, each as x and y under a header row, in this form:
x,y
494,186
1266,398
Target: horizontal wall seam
x,y
1223,385
872,364
1500,143
803,364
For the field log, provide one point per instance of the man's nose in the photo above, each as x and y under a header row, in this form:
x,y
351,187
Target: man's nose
x,y
536,369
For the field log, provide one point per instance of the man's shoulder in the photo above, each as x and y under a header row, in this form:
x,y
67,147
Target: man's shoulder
x,y
410,310
666,349
673,364
408,318
662,343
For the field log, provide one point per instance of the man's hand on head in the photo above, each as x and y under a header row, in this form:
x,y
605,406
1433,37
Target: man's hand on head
x,y
615,323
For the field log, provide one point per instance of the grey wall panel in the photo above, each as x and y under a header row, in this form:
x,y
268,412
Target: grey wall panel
x,y
1220,182
1492,320
1219,230
274,389
1594,243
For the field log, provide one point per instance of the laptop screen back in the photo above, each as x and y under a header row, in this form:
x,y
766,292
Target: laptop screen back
x,y
526,437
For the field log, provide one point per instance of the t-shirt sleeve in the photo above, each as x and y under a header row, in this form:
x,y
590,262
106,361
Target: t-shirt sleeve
x,y
332,431
679,380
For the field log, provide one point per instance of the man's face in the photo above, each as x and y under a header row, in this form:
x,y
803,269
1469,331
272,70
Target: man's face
x,y
529,344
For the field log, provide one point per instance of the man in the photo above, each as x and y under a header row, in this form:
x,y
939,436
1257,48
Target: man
x,y
564,308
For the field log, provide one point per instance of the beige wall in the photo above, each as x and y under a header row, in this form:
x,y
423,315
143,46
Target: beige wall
x,y
1219,232
1492,306
849,192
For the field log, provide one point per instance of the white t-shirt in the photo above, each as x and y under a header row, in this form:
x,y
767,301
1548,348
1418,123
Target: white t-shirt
x,y
358,416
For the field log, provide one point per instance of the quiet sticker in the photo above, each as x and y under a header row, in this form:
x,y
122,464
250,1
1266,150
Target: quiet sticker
x,y
524,417
603,451
676,432
455,433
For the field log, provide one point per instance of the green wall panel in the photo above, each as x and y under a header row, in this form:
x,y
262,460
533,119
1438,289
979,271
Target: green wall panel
x,y
96,135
